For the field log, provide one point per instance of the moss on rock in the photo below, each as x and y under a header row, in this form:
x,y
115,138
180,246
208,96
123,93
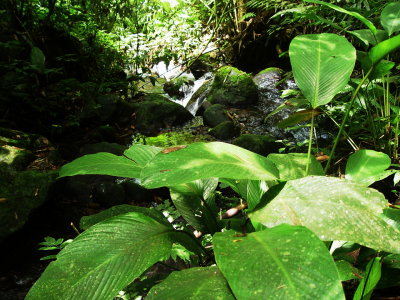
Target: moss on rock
x,y
261,144
233,87
225,131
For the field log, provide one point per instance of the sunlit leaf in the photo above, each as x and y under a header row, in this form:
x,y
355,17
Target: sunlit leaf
x,y
322,65
335,209
367,166
129,165
284,262
206,160
293,165
193,284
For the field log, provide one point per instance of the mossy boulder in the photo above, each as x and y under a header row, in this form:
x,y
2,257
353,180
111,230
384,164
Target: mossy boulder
x,y
225,131
176,87
261,144
233,87
215,114
157,112
21,193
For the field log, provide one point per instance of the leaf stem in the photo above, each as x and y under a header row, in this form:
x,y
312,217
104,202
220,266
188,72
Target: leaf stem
x,y
346,116
310,143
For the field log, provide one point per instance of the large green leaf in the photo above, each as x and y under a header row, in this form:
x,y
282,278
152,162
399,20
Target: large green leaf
x,y
390,17
335,209
293,165
129,165
195,201
206,160
354,14
105,259
367,166
284,262
193,284
322,65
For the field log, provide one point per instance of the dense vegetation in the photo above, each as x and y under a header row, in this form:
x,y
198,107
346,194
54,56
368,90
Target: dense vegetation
x,y
281,219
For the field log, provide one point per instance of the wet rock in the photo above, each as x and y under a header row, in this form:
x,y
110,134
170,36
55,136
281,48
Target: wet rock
x,y
197,100
157,112
225,131
215,114
268,78
233,87
261,144
21,193
113,148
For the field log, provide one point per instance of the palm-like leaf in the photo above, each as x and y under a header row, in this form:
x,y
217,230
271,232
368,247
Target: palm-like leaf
x,y
322,65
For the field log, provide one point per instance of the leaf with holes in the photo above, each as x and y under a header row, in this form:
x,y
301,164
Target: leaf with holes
x,y
193,284
335,209
284,262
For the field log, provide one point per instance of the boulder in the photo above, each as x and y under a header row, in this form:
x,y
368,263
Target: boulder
x,y
225,131
157,112
215,114
233,87
261,144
